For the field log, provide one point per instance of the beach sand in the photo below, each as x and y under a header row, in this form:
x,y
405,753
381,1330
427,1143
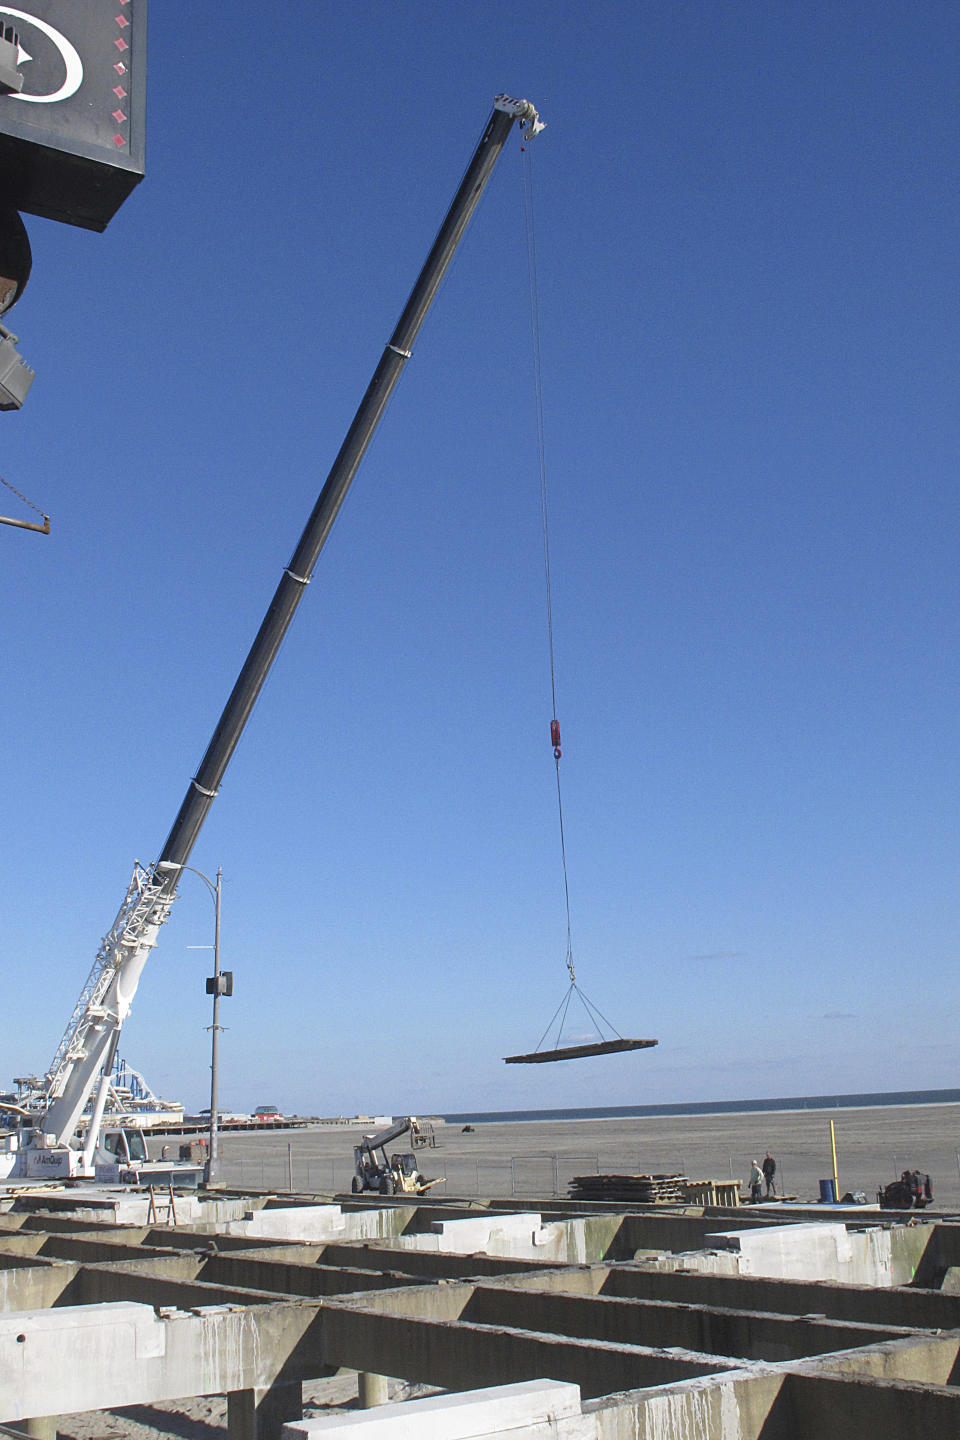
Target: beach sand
x,y
529,1158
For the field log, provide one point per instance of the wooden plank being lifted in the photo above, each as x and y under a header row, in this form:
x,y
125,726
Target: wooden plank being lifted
x,y
44,529
578,1052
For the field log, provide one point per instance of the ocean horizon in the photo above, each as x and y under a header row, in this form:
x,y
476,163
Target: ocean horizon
x,y
867,1100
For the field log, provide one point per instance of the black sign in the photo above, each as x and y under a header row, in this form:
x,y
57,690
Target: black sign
x,y
71,140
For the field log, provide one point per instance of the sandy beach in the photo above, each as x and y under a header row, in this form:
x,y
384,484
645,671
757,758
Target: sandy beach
x,y
530,1158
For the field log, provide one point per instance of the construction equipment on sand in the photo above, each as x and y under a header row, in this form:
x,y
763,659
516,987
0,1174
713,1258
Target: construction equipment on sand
x,y
394,1174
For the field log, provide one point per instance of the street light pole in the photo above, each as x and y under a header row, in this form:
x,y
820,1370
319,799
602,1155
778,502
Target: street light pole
x,y
213,1162
220,983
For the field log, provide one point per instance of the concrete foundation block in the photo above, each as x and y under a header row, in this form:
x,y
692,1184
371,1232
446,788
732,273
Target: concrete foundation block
x,y
795,1252
260,1414
466,1415
294,1222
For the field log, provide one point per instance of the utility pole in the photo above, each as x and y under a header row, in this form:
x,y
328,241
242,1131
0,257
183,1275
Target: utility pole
x,y
219,983
213,1165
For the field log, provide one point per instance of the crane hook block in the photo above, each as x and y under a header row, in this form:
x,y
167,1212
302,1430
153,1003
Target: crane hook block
x,y
555,738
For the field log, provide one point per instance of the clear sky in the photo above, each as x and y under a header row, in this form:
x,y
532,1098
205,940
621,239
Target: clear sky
x,y
747,242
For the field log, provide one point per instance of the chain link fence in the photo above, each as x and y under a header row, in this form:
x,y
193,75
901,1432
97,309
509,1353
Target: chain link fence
x,y
872,1151
542,1175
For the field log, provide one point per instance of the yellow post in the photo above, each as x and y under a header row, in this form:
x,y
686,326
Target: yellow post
x,y
833,1147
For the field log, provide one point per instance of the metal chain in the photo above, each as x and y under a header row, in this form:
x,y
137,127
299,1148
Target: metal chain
x,y
22,497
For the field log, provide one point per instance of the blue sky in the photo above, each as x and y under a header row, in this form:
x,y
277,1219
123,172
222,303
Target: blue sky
x,y
747,249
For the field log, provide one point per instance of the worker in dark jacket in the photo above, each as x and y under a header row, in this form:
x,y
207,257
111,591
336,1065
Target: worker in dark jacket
x,y
769,1168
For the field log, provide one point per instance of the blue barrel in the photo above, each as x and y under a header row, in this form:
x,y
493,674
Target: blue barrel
x,y
828,1192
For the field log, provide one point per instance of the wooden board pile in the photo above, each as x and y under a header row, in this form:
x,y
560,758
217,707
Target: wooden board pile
x,y
630,1189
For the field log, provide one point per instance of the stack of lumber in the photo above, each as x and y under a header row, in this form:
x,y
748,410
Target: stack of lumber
x,y
725,1193
630,1189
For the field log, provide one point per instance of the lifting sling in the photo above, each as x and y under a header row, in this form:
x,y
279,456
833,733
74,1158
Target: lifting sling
x,y
600,1046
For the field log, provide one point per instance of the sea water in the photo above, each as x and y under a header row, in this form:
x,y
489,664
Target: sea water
x,y
717,1107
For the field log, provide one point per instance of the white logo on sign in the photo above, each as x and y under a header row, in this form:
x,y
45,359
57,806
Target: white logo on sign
x,y
71,60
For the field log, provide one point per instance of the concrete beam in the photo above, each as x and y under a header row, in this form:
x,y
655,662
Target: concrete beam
x,y
35,1284
737,1406
835,1300
102,1284
98,1356
927,1359
710,1330
421,1263
284,1277
862,1410
459,1355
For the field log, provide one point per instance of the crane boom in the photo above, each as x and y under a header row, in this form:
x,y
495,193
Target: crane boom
x,y
89,1043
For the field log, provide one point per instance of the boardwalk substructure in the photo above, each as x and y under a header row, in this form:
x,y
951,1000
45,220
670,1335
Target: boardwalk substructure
x,y
775,1325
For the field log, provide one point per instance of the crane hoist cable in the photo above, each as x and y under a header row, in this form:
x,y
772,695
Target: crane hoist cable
x,y
558,1020
43,529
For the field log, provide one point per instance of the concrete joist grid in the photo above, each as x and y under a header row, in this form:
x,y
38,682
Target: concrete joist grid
x,y
652,1324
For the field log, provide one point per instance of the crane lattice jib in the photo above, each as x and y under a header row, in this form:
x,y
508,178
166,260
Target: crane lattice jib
x,y
137,914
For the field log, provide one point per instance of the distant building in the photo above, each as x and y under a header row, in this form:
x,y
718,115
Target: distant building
x,y
267,1112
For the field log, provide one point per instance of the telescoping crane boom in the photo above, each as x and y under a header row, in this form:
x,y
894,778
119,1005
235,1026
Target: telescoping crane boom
x,y
85,1055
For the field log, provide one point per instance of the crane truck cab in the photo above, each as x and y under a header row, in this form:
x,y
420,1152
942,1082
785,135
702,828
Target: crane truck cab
x,y
120,1152
119,1158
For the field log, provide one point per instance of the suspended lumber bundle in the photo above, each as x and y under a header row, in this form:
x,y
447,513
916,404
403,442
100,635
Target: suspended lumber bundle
x,y
578,1052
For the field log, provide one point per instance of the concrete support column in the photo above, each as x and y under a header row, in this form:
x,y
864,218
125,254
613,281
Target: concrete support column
x,y
44,1427
373,1389
261,1413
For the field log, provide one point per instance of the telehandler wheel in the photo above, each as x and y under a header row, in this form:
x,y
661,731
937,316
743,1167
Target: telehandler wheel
x,y
356,1185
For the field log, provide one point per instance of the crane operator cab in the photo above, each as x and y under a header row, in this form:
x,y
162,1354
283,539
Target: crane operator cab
x,y
121,1158
406,1173
398,1175
119,1151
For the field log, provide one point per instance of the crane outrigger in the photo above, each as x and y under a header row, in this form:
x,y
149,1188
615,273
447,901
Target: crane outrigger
x,y
51,1139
